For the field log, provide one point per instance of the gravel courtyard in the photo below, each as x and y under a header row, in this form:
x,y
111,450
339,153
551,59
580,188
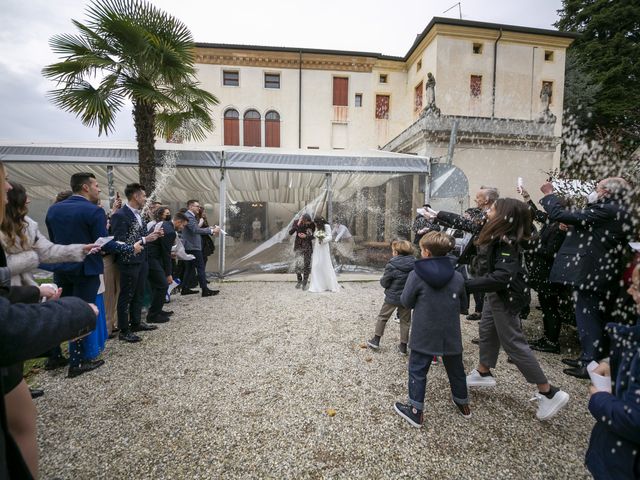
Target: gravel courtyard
x,y
244,385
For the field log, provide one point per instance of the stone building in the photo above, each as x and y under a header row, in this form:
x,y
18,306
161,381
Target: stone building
x,y
489,83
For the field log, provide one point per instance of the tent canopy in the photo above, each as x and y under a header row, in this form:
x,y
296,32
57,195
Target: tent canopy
x,y
252,174
190,155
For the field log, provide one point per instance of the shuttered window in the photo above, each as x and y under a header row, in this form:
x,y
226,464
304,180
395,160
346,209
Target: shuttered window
x,y
340,91
382,107
272,129
417,101
231,127
476,85
271,80
251,126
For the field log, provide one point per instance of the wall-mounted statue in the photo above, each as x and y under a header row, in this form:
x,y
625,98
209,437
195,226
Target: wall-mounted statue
x,y
430,97
545,100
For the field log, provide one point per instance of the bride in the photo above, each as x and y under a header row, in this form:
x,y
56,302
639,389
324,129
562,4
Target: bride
x,y
323,276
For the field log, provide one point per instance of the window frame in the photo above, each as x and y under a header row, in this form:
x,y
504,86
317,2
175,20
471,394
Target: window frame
x,y
550,54
237,72
384,76
375,113
264,80
355,100
472,93
479,46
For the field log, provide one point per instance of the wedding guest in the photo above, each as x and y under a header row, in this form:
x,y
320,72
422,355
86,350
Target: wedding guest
x,y
79,220
111,278
303,230
128,226
160,267
192,240
208,246
342,242
423,224
436,293
256,229
614,446
393,281
502,277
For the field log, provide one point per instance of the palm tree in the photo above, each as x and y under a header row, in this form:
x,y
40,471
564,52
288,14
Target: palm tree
x,y
131,50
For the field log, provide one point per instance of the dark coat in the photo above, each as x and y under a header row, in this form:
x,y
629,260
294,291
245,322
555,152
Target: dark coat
x,y
302,244
77,220
543,248
25,332
125,228
502,272
160,249
473,226
395,276
419,223
592,256
618,415
435,292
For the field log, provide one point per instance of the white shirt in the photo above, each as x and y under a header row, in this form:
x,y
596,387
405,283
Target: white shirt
x,y
341,231
136,212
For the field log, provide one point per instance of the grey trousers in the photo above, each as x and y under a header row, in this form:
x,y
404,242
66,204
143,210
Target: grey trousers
x,y
498,328
405,320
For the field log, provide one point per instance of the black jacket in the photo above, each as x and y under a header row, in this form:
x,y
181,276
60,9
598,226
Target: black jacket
x,y
395,276
473,226
25,332
418,224
594,253
543,248
502,272
160,249
303,244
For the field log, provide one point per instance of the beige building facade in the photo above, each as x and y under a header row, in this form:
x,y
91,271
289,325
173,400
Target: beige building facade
x,y
489,84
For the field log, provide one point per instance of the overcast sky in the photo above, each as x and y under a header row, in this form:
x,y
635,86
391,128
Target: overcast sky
x,y
384,26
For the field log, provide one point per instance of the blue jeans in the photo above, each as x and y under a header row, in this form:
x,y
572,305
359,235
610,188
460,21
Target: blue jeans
x,y
590,320
419,364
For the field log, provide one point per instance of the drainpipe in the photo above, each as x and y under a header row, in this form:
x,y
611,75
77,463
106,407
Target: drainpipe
x,y
495,62
300,100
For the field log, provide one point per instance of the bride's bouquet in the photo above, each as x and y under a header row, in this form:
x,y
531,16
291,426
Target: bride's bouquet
x,y
320,235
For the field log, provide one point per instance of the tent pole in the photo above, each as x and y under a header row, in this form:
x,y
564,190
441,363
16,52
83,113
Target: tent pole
x,y
222,198
329,179
110,187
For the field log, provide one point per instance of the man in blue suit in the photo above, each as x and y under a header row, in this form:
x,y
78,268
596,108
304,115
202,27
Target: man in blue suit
x,y
128,226
79,220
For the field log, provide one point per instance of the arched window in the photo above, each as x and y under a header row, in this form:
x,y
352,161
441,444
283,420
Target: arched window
x,y
231,127
252,136
272,129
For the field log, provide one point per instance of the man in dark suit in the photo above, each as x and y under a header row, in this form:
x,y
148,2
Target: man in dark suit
x,y
161,268
591,261
128,226
192,240
79,220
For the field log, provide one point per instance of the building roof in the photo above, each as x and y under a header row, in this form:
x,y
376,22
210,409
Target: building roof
x,y
434,21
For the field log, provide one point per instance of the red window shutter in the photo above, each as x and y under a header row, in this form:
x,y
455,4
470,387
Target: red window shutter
x,y
476,85
382,106
231,131
272,133
417,106
340,91
251,126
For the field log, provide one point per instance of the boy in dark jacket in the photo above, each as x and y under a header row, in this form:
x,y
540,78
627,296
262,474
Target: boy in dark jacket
x,y
395,276
436,293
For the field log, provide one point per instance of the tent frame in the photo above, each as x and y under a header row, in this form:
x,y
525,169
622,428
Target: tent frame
x,y
223,159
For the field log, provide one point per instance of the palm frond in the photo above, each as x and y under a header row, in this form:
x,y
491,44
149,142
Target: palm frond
x,y
94,106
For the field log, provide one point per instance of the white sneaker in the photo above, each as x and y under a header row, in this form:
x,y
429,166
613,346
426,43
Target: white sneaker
x,y
548,407
474,379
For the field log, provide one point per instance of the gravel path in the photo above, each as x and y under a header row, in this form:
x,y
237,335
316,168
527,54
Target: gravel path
x,y
239,385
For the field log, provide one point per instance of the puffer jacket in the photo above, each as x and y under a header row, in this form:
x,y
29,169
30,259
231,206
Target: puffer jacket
x,y
22,260
395,276
614,446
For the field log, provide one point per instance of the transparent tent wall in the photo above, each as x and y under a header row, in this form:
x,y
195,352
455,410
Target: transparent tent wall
x,y
262,206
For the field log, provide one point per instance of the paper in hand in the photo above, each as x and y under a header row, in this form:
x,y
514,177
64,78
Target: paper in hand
x,y
103,240
635,246
520,182
603,384
421,211
157,227
221,230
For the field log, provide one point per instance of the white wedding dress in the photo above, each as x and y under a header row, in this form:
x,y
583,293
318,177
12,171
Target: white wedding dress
x,y
323,276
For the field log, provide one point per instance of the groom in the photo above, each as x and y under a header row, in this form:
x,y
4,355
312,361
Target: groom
x,y
303,248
